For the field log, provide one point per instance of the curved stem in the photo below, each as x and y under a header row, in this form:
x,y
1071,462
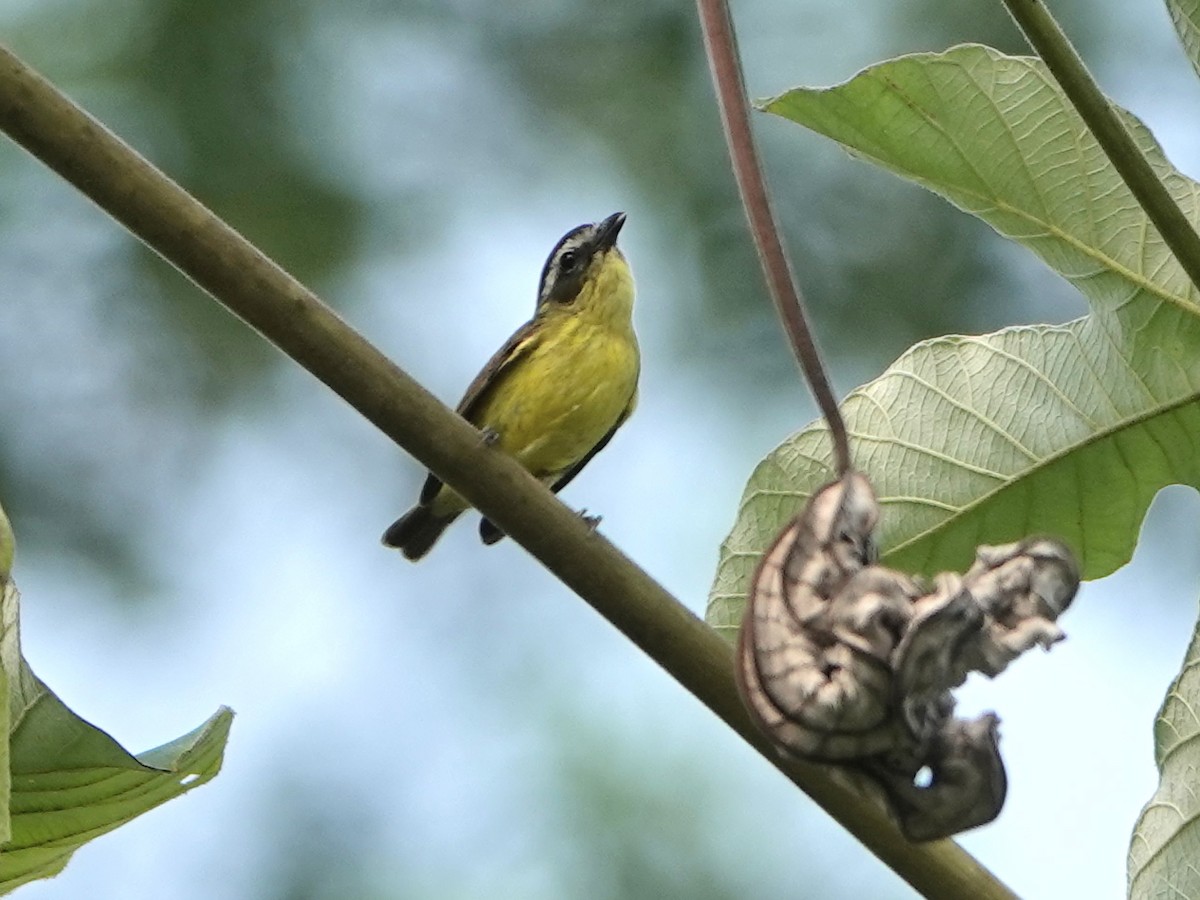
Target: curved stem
x,y
287,314
721,45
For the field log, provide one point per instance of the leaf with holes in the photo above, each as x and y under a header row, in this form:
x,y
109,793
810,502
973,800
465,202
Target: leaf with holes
x,y
66,781
1067,430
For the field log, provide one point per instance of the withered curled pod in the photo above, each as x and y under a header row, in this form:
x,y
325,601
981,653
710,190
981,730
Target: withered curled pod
x,y
842,660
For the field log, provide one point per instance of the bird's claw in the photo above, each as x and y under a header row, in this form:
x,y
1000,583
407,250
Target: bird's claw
x,y
592,522
489,436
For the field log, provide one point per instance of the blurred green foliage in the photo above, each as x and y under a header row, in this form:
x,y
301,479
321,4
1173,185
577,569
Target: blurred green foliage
x,y
120,377
238,101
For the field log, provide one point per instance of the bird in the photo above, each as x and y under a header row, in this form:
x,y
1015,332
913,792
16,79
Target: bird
x,y
556,392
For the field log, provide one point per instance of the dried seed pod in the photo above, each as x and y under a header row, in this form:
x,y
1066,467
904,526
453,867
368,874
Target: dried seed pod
x,y
928,659
966,786
1022,588
816,676
840,660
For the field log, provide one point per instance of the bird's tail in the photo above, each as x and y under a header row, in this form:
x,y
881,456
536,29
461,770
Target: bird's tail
x,y
416,531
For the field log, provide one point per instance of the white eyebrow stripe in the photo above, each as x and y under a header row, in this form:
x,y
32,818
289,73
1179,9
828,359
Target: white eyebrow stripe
x,y
572,244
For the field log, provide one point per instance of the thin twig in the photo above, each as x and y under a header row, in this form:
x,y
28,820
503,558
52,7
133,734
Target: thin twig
x,y
287,314
1101,118
721,44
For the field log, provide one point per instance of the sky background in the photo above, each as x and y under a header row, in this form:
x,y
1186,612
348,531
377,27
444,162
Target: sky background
x,y
197,518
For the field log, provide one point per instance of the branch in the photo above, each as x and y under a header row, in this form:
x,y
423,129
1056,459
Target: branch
x,y
1101,118
720,43
287,314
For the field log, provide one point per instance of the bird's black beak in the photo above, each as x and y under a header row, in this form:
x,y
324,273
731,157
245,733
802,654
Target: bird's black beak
x,y
607,231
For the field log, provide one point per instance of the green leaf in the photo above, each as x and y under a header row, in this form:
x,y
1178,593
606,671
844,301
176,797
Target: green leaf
x,y
65,781
1185,15
1166,839
1066,430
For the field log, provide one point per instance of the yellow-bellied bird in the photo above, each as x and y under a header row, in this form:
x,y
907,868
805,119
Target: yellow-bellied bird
x,y
557,391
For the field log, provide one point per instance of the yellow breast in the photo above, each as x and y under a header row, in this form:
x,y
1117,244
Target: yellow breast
x,y
563,399
577,382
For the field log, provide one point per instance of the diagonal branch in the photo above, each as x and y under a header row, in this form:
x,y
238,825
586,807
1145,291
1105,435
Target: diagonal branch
x,y
286,313
1048,39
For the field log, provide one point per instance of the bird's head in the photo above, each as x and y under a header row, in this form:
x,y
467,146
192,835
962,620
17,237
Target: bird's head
x,y
586,266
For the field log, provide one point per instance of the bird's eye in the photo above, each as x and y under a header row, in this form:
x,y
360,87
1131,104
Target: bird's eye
x,y
568,261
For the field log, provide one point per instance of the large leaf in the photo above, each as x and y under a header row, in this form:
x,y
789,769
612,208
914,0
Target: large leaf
x,y
64,781
1067,430
1185,14
1166,840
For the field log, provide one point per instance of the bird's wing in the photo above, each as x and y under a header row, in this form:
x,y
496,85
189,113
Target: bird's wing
x,y
523,341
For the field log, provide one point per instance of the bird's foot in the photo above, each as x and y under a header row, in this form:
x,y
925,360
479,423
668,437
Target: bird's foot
x,y
489,436
592,522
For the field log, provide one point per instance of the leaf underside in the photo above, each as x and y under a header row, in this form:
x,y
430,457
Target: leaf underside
x,y
1068,430
1185,16
66,780
1166,840
1065,430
